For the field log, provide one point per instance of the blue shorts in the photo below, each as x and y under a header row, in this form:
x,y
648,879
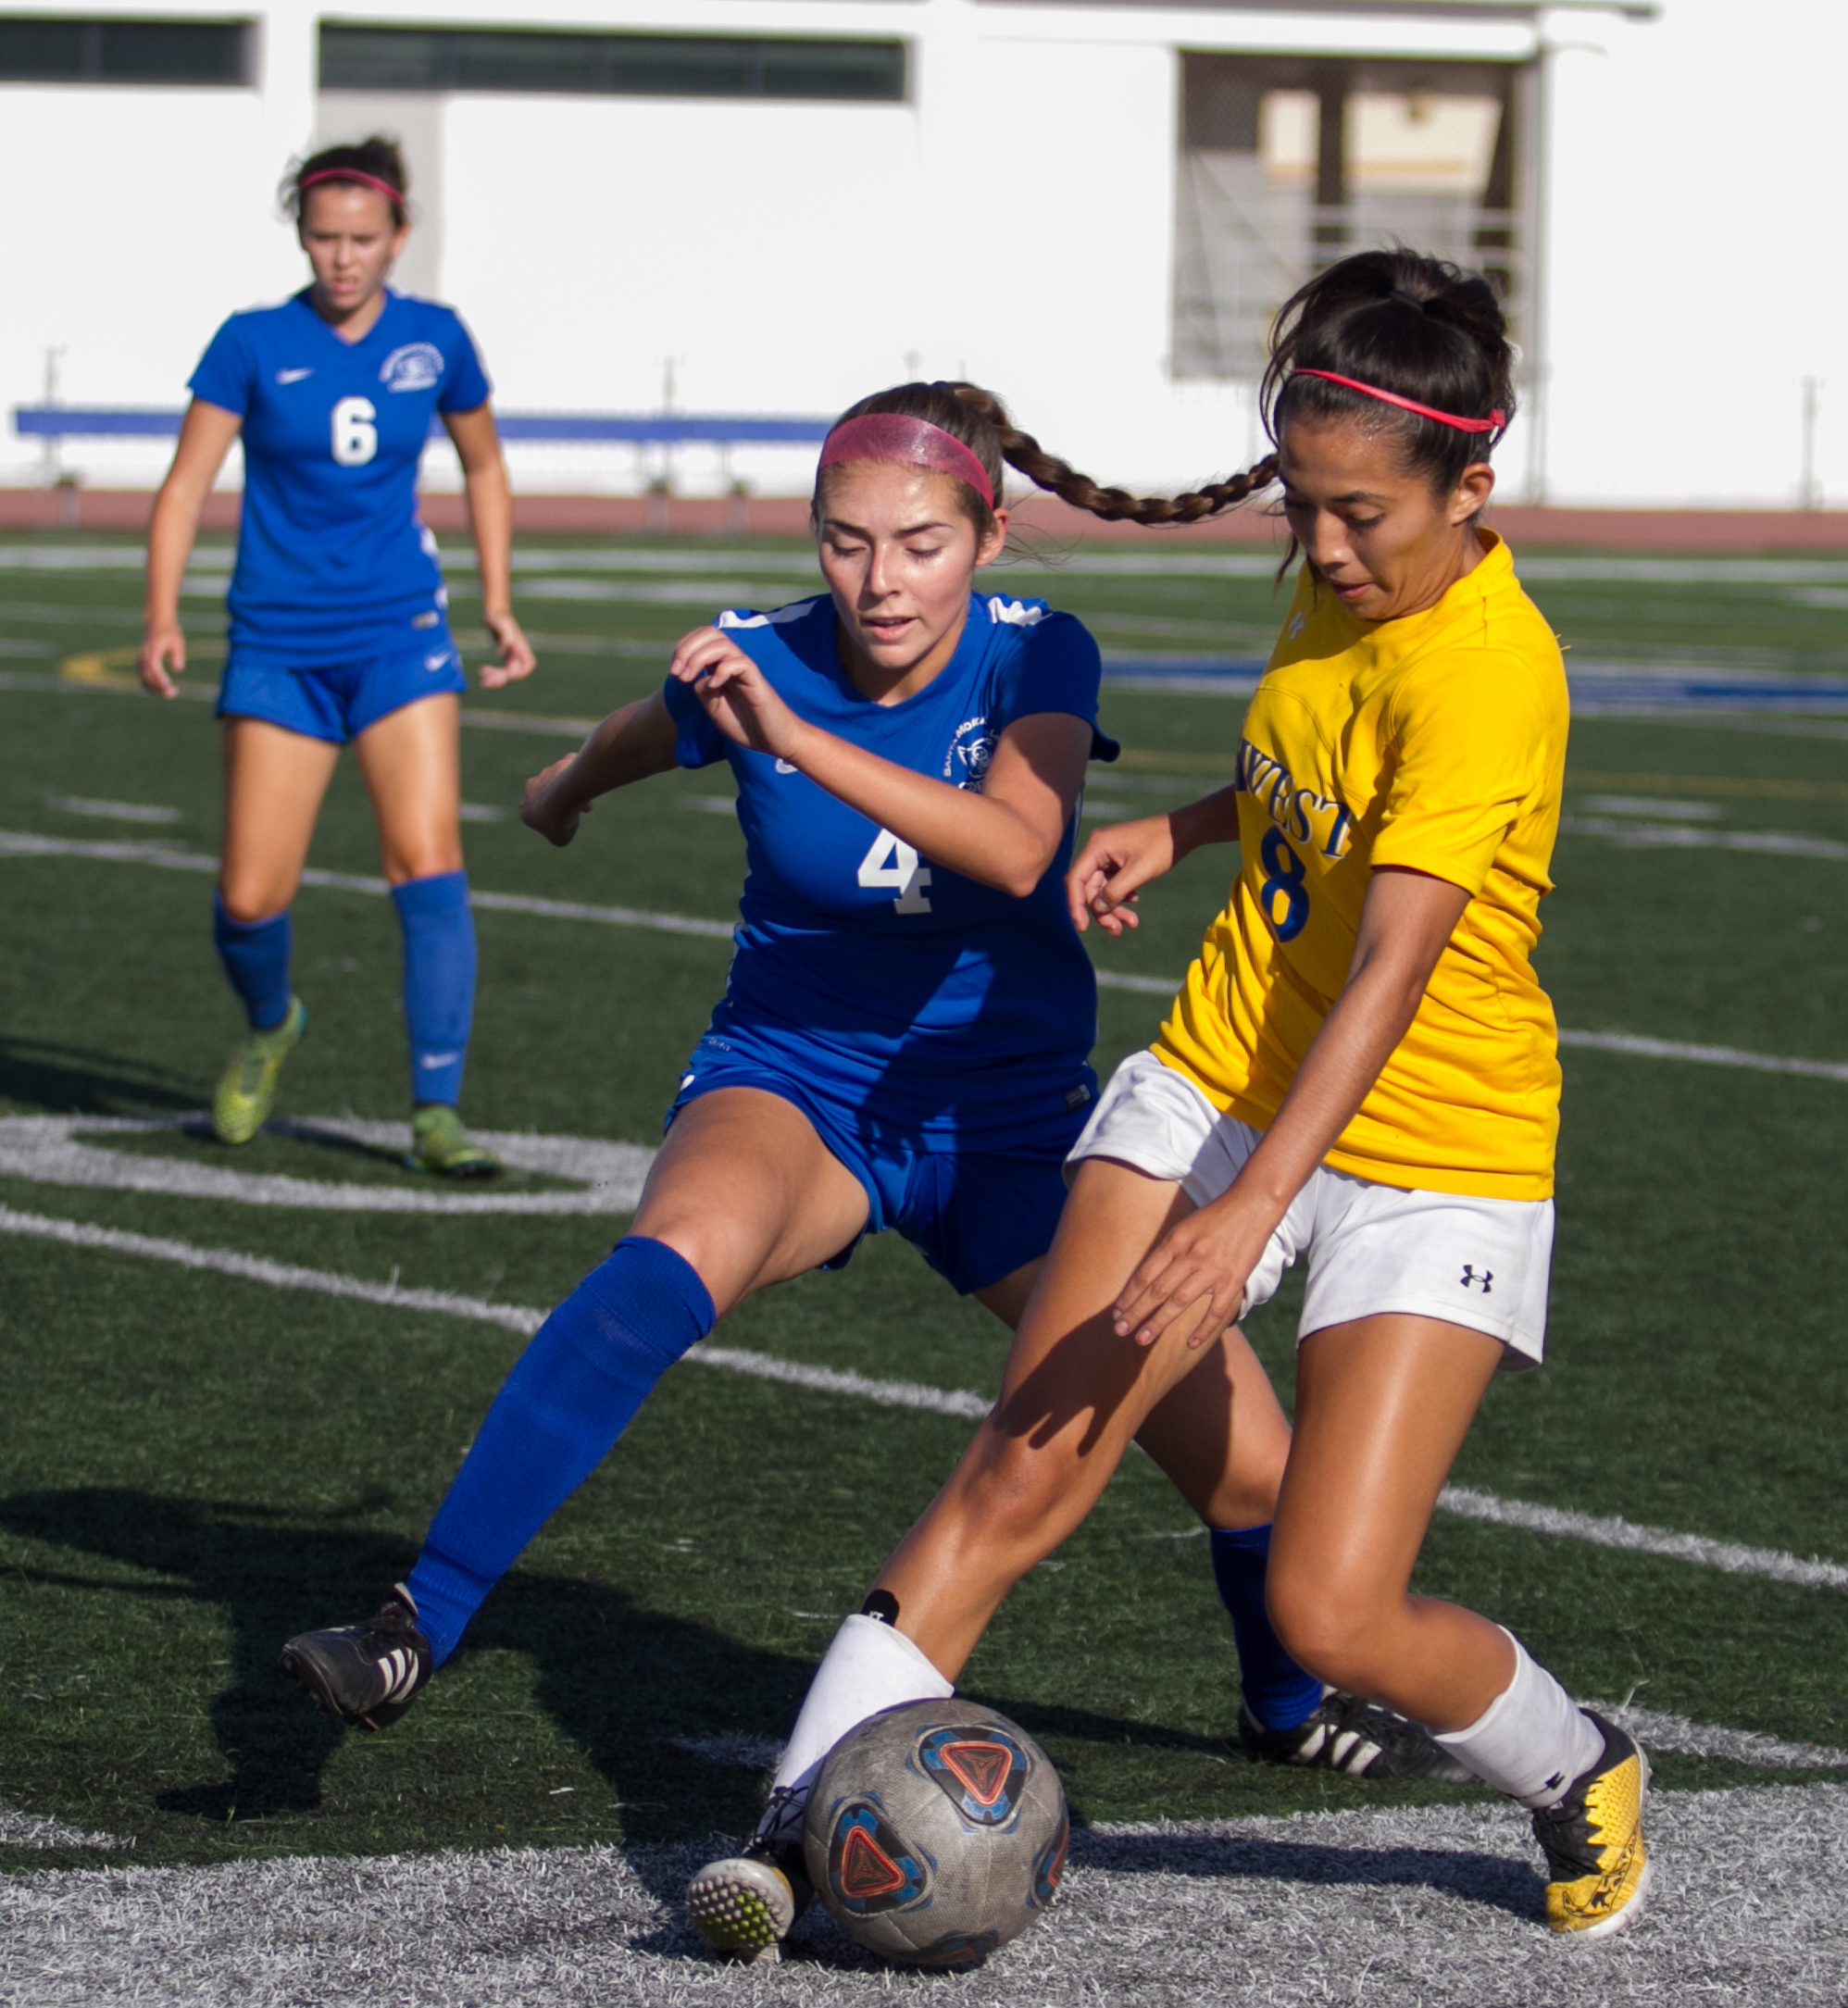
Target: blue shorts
x,y
338,701
975,1215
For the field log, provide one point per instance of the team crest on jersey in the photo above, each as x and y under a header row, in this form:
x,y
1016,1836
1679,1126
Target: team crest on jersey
x,y
417,367
971,748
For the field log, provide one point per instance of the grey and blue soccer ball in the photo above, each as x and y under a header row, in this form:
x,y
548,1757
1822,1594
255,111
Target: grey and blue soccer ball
x,y
936,1832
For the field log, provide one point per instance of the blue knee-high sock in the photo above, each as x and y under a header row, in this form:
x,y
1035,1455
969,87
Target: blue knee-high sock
x,y
573,1392
439,980
1276,1691
255,955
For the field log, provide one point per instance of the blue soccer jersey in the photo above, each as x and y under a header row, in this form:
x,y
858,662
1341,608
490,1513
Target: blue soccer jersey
x,y
925,999
332,563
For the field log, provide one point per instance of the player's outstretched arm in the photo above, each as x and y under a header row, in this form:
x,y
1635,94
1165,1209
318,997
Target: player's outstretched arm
x,y
206,436
1118,860
484,481
628,746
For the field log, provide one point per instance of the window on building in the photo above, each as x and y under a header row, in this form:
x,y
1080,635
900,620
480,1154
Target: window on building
x,y
1287,165
64,49
356,59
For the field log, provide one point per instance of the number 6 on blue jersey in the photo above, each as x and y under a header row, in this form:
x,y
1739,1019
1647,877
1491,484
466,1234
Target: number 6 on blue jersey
x,y
356,437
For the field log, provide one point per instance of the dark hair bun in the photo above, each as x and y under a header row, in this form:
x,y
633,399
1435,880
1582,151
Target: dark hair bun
x,y
1416,326
373,160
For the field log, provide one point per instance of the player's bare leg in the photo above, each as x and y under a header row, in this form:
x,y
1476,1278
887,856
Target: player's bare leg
x,y
1072,1401
411,764
1382,1407
274,783
748,1193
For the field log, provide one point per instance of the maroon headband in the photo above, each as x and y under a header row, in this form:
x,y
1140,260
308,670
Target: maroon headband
x,y
350,174
910,443
1492,423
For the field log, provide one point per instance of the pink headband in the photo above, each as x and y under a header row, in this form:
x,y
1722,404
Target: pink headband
x,y
1492,423
910,443
350,174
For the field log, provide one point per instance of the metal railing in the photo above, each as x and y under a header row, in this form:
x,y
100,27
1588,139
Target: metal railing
x,y
1243,246
657,429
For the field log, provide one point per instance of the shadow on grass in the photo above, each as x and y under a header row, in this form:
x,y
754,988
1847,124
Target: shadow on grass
x,y
66,1080
616,1677
622,1680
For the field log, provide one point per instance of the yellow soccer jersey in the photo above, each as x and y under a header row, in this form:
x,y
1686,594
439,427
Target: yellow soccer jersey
x,y
1436,743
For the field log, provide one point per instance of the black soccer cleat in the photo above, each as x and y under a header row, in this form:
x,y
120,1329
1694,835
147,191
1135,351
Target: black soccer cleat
x,y
1356,1737
744,1905
367,1673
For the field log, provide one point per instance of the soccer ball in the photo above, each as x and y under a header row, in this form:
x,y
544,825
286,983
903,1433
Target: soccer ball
x,y
936,1832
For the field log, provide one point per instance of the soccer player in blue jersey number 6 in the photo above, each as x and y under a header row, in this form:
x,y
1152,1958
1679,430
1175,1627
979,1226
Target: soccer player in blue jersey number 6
x,y
339,628
903,1042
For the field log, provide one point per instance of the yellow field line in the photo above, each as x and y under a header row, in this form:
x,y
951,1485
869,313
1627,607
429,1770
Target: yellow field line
x,y
103,668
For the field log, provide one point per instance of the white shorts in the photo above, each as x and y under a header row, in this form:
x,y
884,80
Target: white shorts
x,y
1482,1263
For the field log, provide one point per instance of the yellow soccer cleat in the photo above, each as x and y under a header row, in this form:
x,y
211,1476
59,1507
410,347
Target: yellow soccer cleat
x,y
241,1106
439,1145
1598,1866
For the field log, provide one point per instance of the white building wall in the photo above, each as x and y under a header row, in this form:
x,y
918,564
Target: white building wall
x,y
1693,276
1013,220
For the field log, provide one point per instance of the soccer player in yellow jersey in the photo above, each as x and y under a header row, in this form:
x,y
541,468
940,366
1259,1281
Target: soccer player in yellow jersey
x,y
1360,1069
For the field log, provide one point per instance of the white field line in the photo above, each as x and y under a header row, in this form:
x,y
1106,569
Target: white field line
x,y
26,1830
1613,1532
260,1269
825,1381
1086,561
150,851
449,1303
1661,1730
1729,1557
1683,837
48,1150
1150,986
1656,1732
735,1749
1675,1049
116,812
529,721
23,843
1653,1728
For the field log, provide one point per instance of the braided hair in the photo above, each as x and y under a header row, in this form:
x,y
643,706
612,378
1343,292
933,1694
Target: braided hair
x,y
980,421
1408,323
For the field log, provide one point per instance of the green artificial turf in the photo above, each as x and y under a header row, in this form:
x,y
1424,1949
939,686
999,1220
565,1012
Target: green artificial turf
x,y
193,1466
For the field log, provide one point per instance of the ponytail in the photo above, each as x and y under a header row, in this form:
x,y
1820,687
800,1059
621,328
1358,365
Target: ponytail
x,y
1396,320
1023,451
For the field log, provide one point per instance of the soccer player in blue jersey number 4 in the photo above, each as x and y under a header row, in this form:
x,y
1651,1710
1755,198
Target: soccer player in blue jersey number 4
x,y
903,1042
339,627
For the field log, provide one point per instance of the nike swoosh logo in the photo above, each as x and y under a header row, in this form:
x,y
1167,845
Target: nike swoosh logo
x,y
292,376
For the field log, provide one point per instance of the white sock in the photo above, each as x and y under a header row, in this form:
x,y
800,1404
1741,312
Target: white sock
x,y
869,1667
1532,1741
